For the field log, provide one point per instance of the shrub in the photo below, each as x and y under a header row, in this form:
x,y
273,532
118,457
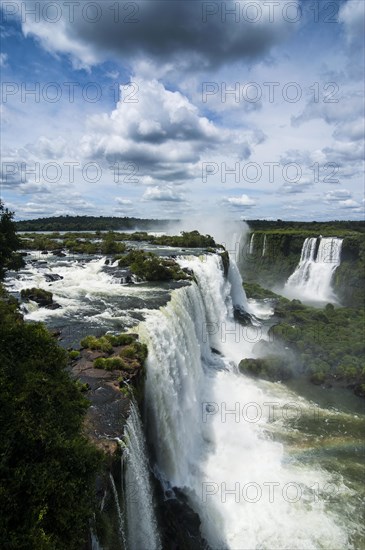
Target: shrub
x,y
101,344
42,297
110,363
99,363
129,351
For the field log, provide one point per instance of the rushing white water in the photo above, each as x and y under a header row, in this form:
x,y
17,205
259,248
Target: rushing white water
x,y
119,512
252,241
264,246
312,278
142,529
213,430
237,292
88,292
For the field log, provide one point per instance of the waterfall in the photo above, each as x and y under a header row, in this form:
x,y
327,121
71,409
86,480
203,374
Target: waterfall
x,y
312,277
142,529
264,246
205,440
251,248
238,295
119,512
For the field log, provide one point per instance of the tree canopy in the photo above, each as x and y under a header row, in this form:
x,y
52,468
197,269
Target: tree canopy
x,y
9,242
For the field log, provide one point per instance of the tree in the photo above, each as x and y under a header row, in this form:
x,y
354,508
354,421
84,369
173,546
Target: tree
x,y
47,467
9,242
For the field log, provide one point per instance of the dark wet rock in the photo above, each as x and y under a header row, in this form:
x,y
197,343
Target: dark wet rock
x,y
59,253
107,262
188,271
359,390
54,305
225,260
217,352
180,525
42,297
51,277
127,280
241,315
44,252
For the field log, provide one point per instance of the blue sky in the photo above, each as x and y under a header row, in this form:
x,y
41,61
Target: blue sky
x,y
183,109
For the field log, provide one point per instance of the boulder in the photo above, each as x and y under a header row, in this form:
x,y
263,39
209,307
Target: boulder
x,y
241,315
51,277
42,297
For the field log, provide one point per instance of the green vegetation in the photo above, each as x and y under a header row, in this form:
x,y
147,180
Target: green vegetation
x,y
86,223
257,292
283,249
329,229
130,357
149,267
9,242
271,367
108,341
349,277
187,239
47,467
38,295
110,363
111,242
101,344
328,342
325,344
127,355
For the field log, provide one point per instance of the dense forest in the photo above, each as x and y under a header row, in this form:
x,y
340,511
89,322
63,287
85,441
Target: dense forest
x,y
89,223
332,228
326,345
47,468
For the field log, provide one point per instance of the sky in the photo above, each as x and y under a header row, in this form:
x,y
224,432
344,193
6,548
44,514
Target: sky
x,y
183,109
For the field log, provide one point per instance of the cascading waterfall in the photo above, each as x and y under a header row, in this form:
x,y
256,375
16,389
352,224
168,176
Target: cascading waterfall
x,y
141,522
312,278
252,240
264,246
119,512
204,441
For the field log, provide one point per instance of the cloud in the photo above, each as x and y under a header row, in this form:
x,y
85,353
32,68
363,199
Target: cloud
x,y
46,148
167,194
3,59
244,201
334,108
159,137
339,194
349,203
352,15
292,188
193,34
123,202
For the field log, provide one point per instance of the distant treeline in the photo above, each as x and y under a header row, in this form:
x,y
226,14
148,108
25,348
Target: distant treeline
x,y
89,223
330,227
